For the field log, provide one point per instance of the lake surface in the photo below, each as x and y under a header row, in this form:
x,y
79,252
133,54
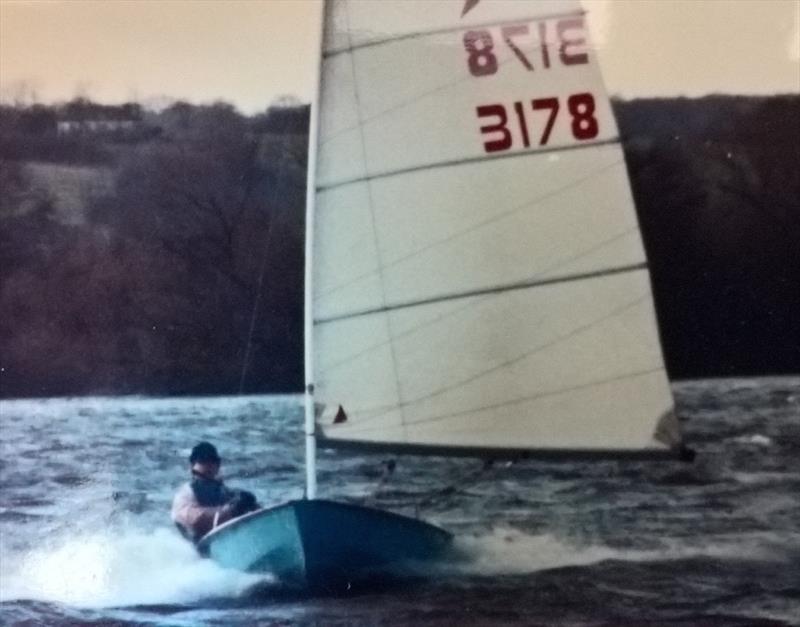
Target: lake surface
x,y
85,535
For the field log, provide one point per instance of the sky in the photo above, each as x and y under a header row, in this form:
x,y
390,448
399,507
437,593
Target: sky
x,y
249,52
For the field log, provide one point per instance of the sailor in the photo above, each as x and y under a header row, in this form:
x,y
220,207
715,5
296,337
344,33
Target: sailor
x,y
205,502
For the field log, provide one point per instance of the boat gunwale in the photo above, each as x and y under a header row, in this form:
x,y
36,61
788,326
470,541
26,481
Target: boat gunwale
x,y
206,540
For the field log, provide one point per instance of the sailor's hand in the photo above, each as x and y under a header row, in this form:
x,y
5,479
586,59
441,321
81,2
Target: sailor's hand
x,y
234,506
227,511
242,503
248,500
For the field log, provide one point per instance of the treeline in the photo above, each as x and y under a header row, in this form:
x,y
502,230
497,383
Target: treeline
x,y
87,133
717,186
185,275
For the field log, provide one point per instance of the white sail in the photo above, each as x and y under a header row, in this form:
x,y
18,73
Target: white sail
x,y
479,280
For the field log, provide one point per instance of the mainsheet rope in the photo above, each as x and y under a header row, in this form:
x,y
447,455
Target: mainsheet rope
x,y
429,498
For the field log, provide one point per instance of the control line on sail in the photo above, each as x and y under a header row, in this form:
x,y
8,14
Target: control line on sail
x,y
417,98
379,412
371,204
464,161
511,402
450,313
403,104
488,290
528,204
452,29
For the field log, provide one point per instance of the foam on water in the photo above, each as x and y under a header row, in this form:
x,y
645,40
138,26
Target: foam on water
x,y
755,440
137,568
85,533
116,570
506,551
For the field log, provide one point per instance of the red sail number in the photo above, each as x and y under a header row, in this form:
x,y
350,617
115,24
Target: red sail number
x,y
568,34
584,124
502,140
479,47
498,136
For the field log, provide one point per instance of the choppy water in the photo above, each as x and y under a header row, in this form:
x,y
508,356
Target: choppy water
x,y
85,536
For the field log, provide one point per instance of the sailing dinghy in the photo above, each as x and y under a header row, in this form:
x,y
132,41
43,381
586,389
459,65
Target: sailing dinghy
x,y
476,282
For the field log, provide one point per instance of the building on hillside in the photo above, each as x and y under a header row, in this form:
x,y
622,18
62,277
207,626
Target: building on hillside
x,y
82,116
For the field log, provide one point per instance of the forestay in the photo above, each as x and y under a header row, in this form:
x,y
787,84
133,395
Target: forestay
x,y
479,280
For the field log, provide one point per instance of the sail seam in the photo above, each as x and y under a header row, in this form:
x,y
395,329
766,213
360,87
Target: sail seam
x,y
464,161
484,291
426,420
452,312
415,99
528,204
443,31
539,348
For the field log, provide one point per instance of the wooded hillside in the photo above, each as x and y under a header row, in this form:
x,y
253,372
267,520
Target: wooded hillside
x,y
165,255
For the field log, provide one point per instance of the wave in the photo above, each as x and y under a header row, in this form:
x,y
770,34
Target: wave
x,y
120,570
139,568
505,551
754,440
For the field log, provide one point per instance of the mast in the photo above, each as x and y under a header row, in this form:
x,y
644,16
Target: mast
x,y
311,171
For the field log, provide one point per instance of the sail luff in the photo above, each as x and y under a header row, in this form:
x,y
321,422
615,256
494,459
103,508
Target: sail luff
x,y
369,203
427,166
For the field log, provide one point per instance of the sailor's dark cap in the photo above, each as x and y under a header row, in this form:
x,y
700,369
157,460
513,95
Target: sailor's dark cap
x,y
204,452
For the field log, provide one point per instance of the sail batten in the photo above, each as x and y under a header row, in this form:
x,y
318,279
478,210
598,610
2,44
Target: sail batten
x,y
457,162
485,291
480,283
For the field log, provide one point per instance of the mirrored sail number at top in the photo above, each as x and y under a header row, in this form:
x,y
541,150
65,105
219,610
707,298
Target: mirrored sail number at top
x,y
560,42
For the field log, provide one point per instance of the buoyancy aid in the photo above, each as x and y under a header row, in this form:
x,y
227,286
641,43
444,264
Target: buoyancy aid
x,y
210,492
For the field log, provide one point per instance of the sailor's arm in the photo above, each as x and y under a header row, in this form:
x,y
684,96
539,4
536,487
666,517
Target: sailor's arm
x,y
195,518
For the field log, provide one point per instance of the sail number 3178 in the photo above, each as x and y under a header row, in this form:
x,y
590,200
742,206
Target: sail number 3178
x,y
569,42
498,136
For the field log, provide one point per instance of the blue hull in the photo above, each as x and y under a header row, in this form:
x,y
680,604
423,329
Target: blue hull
x,y
325,545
